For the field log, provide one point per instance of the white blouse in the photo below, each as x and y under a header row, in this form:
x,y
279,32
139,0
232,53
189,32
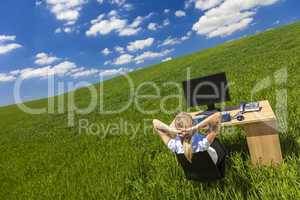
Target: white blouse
x,y
199,143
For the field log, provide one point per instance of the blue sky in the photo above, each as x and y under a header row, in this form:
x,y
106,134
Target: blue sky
x,y
76,40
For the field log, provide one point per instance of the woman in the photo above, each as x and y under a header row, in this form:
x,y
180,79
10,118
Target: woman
x,y
184,138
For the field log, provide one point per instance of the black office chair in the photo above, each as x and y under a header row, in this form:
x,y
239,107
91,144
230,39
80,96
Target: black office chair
x,y
202,167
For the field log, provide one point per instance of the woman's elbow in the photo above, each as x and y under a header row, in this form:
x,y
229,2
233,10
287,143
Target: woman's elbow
x,y
155,123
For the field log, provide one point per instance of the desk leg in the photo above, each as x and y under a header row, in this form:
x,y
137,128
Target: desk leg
x,y
263,143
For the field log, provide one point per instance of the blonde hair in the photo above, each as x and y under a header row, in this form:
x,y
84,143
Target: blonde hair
x,y
185,120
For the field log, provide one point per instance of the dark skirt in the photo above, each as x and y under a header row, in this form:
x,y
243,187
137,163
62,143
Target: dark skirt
x,y
202,167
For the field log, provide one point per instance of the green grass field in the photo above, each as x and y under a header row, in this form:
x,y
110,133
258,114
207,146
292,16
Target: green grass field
x,y
41,157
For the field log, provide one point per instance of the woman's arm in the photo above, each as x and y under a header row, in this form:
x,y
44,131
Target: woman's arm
x,y
210,121
165,132
214,124
213,130
211,136
206,123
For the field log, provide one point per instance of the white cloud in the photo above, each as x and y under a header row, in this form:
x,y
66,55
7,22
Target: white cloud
x,y
77,69
113,13
140,44
58,30
188,3
38,3
151,55
66,10
276,22
170,41
45,59
15,72
166,11
166,22
120,3
184,38
65,68
114,72
104,25
128,7
6,38
98,19
127,58
129,31
67,29
230,16
180,13
85,73
119,49
59,69
134,27
108,62
123,59
62,68
207,4
6,77
28,73
106,51
229,29
117,2
187,36
153,26
7,44
139,20
6,48
167,59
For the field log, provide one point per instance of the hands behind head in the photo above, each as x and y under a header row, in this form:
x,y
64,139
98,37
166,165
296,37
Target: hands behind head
x,y
213,124
187,131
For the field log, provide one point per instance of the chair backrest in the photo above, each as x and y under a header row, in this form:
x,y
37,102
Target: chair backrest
x,y
202,167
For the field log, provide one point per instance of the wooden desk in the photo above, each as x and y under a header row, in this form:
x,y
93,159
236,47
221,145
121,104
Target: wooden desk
x,y
262,135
